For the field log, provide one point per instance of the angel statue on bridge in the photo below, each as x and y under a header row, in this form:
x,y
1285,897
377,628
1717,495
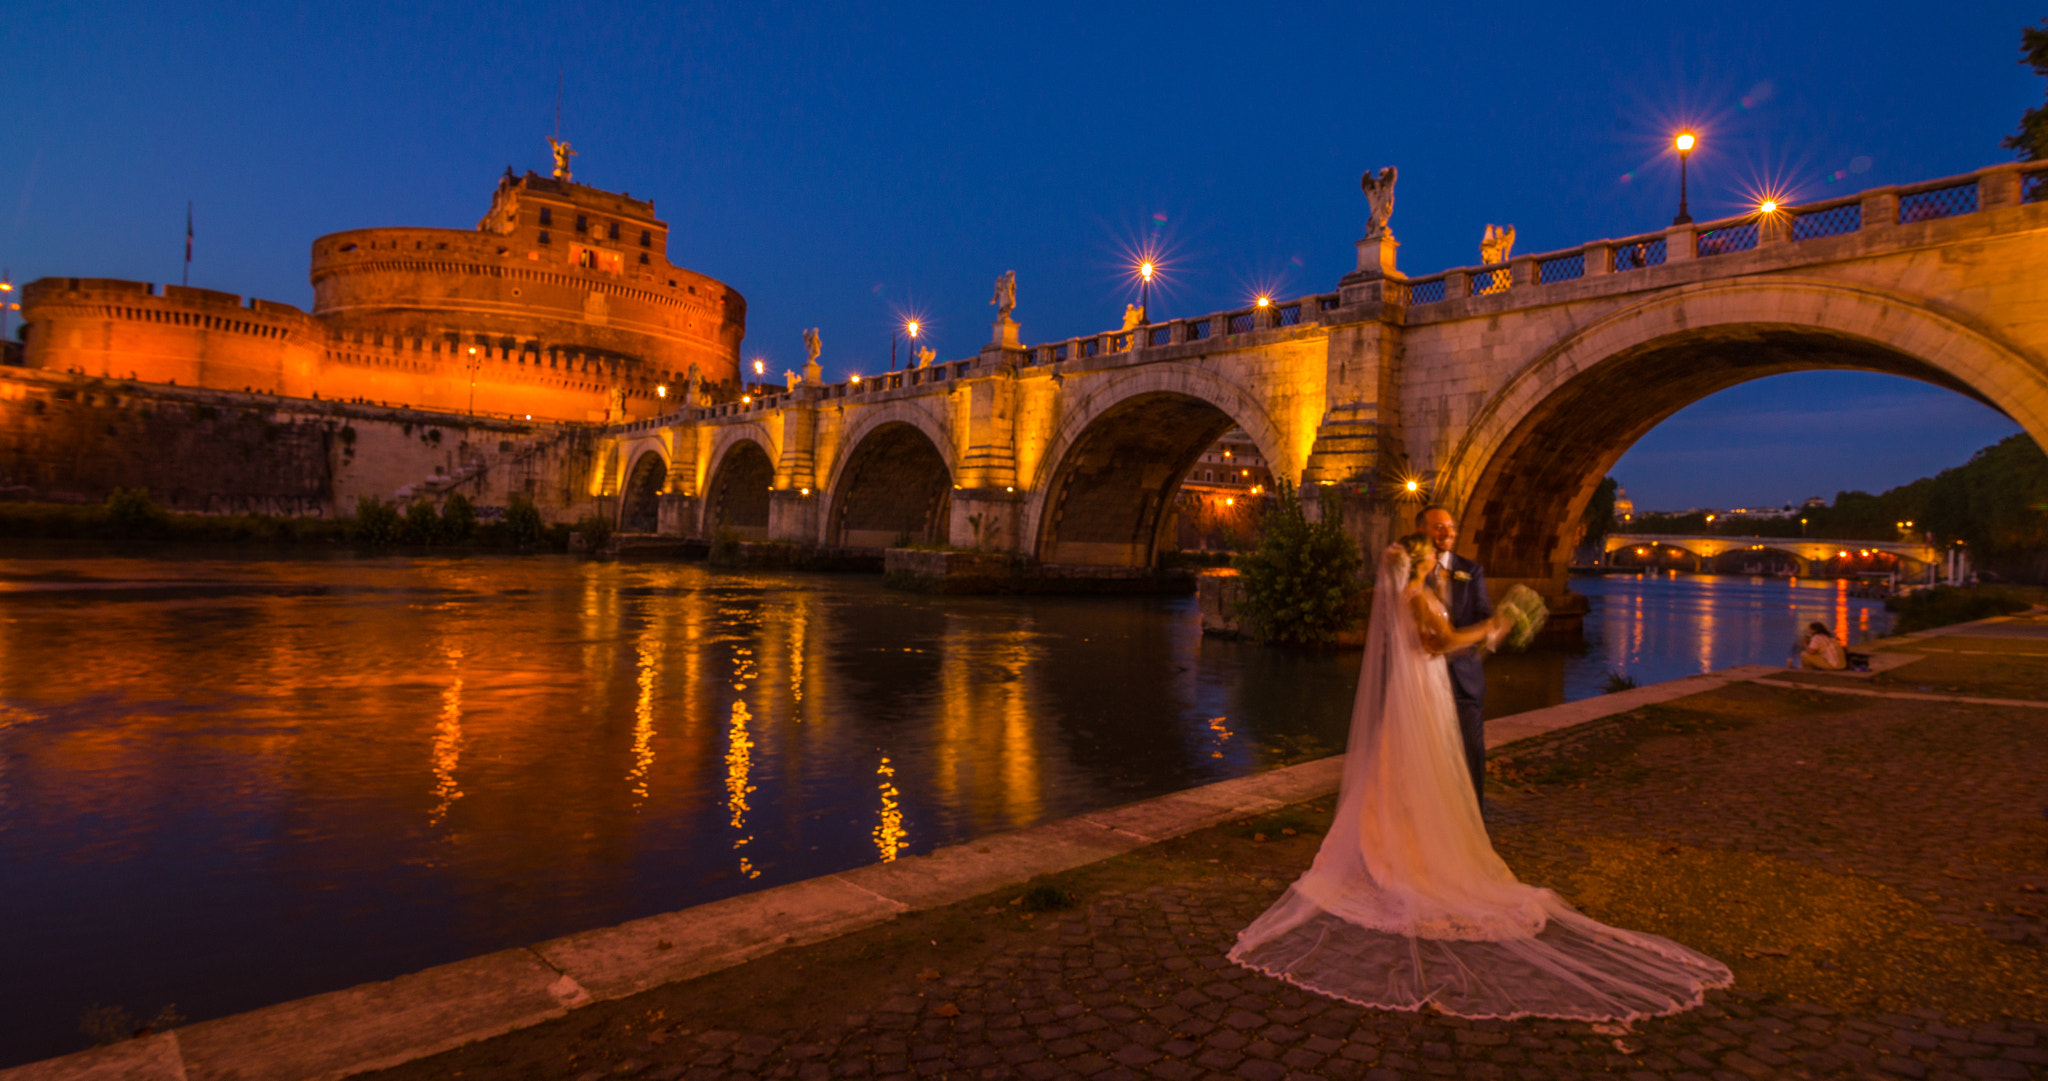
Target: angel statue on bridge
x,y
811,346
1379,195
1006,294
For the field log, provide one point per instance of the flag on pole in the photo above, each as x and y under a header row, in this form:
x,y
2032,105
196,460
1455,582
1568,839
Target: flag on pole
x,y
187,279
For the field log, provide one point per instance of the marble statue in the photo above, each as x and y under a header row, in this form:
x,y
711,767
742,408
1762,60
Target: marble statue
x,y
1006,294
791,379
1379,196
925,355
1134,317
811,346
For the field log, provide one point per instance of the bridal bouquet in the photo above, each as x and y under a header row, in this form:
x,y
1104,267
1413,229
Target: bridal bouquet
x,y
1521,604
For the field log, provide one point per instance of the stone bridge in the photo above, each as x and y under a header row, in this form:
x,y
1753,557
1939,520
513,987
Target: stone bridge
x,y
1805,550
1506,392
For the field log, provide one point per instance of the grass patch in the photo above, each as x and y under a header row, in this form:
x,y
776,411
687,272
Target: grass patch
x,y
1791,930
1941,606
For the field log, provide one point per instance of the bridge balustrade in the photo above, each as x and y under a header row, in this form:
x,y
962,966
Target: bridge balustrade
x,y
1426,290
1486,282
1947,201
1991,187
1835,220
1638,254
1564,268
1725,239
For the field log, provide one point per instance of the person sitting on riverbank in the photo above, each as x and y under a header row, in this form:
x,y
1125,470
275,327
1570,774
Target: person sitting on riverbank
x,y
1818,649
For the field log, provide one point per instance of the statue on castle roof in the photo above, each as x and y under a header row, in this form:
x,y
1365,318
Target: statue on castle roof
x,y
1379,196
562,156
1006,294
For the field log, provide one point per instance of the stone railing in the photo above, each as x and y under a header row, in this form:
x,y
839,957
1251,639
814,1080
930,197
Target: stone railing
x,y
1877,209
1522,277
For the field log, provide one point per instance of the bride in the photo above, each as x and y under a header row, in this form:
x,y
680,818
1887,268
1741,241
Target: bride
x,y
1407,904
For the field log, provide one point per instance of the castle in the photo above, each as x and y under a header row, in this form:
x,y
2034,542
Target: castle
x,y
560,305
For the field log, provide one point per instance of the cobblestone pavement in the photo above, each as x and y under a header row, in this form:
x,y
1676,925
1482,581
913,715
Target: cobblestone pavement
x,y
1875,872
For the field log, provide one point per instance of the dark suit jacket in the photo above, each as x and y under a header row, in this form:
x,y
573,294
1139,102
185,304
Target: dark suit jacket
x,y
1469,604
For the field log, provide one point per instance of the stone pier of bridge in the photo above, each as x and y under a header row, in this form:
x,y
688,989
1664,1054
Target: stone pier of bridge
x,y
1504,391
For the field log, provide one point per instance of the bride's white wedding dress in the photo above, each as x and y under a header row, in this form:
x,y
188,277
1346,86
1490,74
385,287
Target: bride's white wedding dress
x,y
1407,903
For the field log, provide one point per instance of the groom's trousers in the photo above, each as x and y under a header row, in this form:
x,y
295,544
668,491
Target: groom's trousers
x,y
1472,728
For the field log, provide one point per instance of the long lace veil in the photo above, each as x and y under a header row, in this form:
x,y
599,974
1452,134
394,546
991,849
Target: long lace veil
x,y
1407,903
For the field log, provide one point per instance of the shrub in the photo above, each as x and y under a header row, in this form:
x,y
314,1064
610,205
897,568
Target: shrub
x,y
134,514
725,546
596,530
1301,582
458,519
523,524
1618,682
377,523
422,524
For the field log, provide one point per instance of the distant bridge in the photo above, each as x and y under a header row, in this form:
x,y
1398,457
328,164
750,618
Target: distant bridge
x,y
1505,391
1805,551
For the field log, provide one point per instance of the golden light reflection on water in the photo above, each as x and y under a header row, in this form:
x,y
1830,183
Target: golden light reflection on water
x,y
739,760
447,752
643,717
1223,734
890,837
797,625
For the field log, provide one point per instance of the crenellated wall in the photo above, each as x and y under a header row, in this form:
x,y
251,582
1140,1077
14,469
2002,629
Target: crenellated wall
x,y
519,318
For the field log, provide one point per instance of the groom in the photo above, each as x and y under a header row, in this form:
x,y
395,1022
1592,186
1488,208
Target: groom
x,y
1462,585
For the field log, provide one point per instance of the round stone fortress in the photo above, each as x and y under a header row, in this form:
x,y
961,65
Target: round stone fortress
x,y
560,305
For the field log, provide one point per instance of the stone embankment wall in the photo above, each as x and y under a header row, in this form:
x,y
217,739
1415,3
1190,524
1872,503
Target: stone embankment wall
x,y
73,439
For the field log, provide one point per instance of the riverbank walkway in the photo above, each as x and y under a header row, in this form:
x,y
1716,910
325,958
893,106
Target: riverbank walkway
x,y
1869,853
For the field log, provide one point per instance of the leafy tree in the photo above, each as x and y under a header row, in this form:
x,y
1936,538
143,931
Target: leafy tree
x,y
2031,142
523,523
131,513
1301,583
1599,517
377,522
458,519
422,524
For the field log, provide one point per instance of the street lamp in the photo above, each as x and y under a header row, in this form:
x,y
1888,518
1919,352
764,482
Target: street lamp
x,y
473,362
6,298
910,327
1684,142
1145,270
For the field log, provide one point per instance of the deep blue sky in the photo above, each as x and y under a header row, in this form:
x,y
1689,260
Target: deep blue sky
x,y
843,165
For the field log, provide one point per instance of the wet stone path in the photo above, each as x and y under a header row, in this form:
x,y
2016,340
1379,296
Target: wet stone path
x,y
1875,871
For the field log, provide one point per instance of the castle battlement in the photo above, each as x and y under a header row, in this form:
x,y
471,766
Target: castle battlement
x,y
561,304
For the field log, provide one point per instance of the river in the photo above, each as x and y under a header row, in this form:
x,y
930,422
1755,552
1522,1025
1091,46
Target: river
x,y
225,782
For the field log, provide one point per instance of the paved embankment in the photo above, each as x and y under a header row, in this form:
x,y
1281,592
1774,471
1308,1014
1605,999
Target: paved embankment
x,y
1868,853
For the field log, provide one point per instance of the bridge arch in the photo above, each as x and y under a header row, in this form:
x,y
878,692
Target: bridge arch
x,y
1534,453
892,482
640,496
741,474
1101,493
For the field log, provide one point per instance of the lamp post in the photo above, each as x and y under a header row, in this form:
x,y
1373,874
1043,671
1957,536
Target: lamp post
x,y
911,327
1684,142
1145,270
6,301
472,380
